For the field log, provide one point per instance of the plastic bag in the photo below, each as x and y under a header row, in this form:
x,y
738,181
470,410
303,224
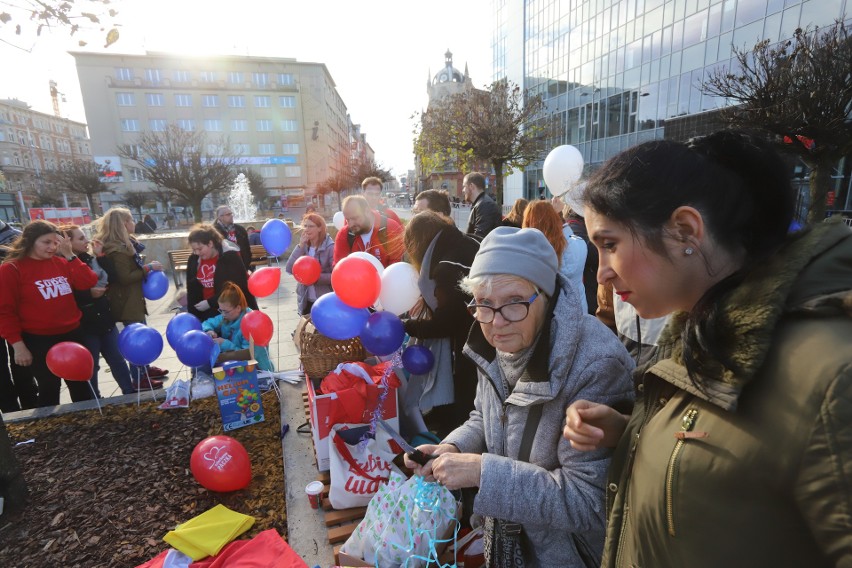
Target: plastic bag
x,y
177,395
202,386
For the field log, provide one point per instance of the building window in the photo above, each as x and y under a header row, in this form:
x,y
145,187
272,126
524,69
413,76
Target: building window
x,y
133,149
268,171
125,99
262,101
183,100
287,101
238,125
289,125
154,99
235,78
260,79
236,101
210,100
136,174
129,125
292,171
242,149
208,76
157,125
264,125
285,78
181,76
266,149
124,73
152,76
291,148
214,149
213,125
186,124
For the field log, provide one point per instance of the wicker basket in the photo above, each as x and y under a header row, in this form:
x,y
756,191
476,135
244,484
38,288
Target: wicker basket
x,y
320,354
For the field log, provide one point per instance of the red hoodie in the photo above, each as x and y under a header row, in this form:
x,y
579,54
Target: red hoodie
x,y
36,296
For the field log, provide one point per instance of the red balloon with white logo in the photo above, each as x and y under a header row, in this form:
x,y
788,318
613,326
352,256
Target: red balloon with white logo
x,y
221,463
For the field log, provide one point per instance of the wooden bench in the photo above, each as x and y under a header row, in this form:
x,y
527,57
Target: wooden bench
x,y
259,256
178,260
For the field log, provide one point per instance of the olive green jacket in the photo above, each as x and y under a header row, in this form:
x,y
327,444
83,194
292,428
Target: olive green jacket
x,y
751,468
125,286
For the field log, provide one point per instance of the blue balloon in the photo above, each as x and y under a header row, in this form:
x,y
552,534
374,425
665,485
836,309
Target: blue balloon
x,y
156,285
417,360
214,354
383,334
275,236
179,325
194,348
126,333
142,345
335,319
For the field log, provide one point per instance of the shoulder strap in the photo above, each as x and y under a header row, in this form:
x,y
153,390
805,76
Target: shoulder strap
x,y
530,428
382,232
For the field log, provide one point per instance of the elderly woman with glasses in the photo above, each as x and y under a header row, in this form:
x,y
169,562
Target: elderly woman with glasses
x,y
314,242
536,351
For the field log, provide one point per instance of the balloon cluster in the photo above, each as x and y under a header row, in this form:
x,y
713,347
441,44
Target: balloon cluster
x,y
247,399
360,282
192,346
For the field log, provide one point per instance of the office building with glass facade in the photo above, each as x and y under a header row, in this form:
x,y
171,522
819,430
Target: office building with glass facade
x,y
615,73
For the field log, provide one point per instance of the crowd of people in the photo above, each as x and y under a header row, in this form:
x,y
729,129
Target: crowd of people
x,y
654,372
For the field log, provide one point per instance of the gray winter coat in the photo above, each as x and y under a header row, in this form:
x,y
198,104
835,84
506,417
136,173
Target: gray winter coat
x,y
561,490
325,255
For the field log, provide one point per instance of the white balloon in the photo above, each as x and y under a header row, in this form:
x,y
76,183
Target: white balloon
x,y
338,220
373,260
562,169
399,288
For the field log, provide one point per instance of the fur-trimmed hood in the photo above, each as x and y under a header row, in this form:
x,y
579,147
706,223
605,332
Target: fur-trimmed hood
x,y
811,276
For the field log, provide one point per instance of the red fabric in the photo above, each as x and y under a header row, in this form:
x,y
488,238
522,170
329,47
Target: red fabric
x,y
356,399
266,550
205,274
156,562
37,296
395,246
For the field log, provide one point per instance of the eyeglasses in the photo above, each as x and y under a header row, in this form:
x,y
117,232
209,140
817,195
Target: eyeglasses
x,y
221,311
511,312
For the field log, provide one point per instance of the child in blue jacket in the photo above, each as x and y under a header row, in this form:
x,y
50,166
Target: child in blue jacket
x,y
225,329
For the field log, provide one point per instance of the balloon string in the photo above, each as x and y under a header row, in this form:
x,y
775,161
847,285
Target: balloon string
x,y
384,391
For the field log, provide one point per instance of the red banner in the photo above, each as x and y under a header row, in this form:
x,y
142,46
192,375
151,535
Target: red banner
x,y
62,215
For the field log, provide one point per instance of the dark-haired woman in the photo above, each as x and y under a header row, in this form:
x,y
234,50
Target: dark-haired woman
x,y
213,262
738,451
37,307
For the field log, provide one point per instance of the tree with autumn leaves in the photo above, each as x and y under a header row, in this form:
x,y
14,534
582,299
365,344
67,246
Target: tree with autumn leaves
x,y
799,91
499,127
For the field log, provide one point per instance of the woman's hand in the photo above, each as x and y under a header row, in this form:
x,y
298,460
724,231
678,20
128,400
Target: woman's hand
x,y
457,471
589,425
64,247
97,292
97,247
212,334
155,265
23,357
304,240
435,450
202,306
219,340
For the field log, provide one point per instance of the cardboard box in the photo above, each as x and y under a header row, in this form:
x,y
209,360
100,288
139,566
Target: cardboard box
x,y
320,409
239,396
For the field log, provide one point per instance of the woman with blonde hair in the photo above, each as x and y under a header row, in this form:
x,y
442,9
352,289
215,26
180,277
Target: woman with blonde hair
x,y
119,254
314,242
570,249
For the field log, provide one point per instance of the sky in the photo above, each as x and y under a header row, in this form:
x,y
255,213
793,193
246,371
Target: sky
x,y
379,52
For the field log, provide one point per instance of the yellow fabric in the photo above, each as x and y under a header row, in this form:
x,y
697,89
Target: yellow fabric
x,y
209,532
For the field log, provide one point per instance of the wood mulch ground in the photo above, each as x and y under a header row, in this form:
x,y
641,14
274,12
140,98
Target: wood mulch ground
x,y
105,490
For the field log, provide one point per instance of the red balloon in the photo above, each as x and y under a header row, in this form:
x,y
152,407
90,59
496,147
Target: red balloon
x,y
306,270
264,281
221,463
70,361
356,282
258,326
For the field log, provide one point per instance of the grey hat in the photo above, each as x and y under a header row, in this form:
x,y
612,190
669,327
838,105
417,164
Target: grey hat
x,y
519,252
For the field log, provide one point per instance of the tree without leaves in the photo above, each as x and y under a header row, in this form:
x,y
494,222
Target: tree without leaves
x,y
135,200
800,91
79,177
185,163
496,127
337,183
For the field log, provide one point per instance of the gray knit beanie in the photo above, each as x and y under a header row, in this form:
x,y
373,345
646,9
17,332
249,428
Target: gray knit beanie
x,y
519,252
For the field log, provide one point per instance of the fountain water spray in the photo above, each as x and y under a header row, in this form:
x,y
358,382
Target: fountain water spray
x,y
241,201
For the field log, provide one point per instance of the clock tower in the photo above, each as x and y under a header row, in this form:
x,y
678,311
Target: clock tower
x,y
448,80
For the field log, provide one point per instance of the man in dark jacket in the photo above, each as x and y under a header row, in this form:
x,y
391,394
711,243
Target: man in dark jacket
x,y
484,212
231,231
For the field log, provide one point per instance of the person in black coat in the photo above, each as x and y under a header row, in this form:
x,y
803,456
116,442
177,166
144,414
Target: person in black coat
x,y
485,213
146,226
213,262
234,233
441,266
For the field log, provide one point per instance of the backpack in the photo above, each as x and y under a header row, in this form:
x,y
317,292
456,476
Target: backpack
x,y
383,233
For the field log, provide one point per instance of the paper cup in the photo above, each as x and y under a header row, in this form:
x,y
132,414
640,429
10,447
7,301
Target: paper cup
x,y
314,491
